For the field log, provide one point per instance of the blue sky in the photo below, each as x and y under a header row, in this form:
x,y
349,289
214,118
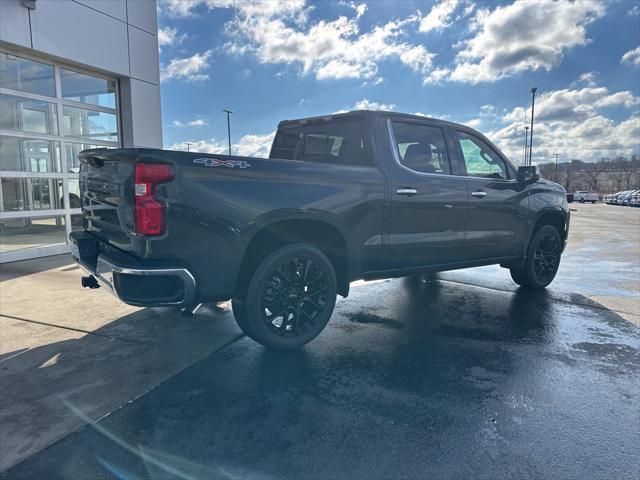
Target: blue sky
x,y
465,61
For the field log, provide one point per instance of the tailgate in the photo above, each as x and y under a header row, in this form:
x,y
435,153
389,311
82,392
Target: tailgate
x,y
107,192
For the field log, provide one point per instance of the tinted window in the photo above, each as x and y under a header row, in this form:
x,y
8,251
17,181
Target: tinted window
x,y
421,148
339,141
480,159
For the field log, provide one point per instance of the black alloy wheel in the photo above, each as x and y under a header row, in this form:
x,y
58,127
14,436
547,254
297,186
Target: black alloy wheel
x,y
294,297
543,259
289,299
546,258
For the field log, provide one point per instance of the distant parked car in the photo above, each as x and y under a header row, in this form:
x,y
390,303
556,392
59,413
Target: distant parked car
x,y
569,197
635,199
624,198
583,196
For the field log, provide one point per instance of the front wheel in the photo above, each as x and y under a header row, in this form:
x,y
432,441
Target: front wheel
x,y
289,298
543,260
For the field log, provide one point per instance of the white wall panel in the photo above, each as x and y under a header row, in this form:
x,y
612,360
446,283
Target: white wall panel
x,y
73,31
14,23
143,14
144,59
146,114
115,8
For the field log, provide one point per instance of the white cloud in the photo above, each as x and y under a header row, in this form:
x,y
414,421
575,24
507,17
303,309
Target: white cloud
x,y
365,104
189,68
198,122
519,37
359,8
473,123
437,76
632,57
283,33
247,146
573,122
634,12
440,16
168,36
590,79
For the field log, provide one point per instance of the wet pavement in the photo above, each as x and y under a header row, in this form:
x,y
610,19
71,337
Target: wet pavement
x,y
463,376
412,379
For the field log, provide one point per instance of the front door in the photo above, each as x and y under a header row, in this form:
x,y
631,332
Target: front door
x,y
428,204
498,204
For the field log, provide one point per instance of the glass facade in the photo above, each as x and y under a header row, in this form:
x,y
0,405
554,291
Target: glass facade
x,y
48,114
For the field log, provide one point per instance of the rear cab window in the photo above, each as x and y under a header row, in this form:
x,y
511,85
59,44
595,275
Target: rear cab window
x,y
339,141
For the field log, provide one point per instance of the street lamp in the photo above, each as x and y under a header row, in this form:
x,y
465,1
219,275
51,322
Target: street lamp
x,y
228,112
556,175
533,103
526,141
188,145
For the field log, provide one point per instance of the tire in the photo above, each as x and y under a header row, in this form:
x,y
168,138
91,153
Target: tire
x,y
543,260
582,200
240,314
289,299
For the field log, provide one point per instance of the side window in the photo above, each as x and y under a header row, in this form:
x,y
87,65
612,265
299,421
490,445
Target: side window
x,y
421,148
480,159
341,141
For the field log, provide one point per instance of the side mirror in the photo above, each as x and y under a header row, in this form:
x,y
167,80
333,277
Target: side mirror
x,y
528,174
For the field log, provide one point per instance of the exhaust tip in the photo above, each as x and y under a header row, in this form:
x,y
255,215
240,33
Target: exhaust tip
x,y
90,282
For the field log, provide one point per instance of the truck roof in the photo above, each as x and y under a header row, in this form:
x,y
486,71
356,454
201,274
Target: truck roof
x,y
328,118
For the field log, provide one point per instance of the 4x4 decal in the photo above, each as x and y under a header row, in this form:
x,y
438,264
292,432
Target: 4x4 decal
x,y
216,162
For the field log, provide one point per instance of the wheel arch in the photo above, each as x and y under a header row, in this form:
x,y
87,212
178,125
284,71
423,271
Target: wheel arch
x,y
269,234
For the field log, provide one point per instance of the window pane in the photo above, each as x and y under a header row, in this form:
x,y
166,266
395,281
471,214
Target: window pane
x,y
23,115
23,194
21,233
29,155
87,89
73,149
481,161
26,75
421,148
79,122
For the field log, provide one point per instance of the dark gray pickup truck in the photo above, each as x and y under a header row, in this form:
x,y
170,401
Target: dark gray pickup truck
x,y
359,195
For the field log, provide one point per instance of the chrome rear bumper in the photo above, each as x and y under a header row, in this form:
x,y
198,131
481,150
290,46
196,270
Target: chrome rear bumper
x,y
134,284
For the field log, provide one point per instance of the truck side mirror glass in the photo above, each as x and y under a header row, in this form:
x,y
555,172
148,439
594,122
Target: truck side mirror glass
x,y
528,174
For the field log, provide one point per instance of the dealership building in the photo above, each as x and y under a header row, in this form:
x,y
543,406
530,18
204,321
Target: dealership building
x,y
74,74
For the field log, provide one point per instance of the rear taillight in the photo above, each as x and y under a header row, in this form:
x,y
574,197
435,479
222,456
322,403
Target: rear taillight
x,y
151,213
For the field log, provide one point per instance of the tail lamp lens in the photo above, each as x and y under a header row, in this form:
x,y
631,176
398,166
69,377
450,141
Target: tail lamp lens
x,y
151,213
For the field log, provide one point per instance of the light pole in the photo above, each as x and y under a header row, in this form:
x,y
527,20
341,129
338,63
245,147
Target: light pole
x,y
228,112
188,145
526,139
533,103
556,173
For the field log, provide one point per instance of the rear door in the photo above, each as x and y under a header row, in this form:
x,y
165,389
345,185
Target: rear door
x,y
428,203
498,203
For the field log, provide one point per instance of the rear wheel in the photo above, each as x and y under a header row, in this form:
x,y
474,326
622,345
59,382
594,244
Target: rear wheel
x,y
543,260
289,299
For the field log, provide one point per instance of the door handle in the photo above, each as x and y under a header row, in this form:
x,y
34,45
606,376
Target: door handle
x,y
478,193
406,191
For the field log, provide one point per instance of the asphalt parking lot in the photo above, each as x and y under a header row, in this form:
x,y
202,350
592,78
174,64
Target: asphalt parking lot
x,y
462,376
